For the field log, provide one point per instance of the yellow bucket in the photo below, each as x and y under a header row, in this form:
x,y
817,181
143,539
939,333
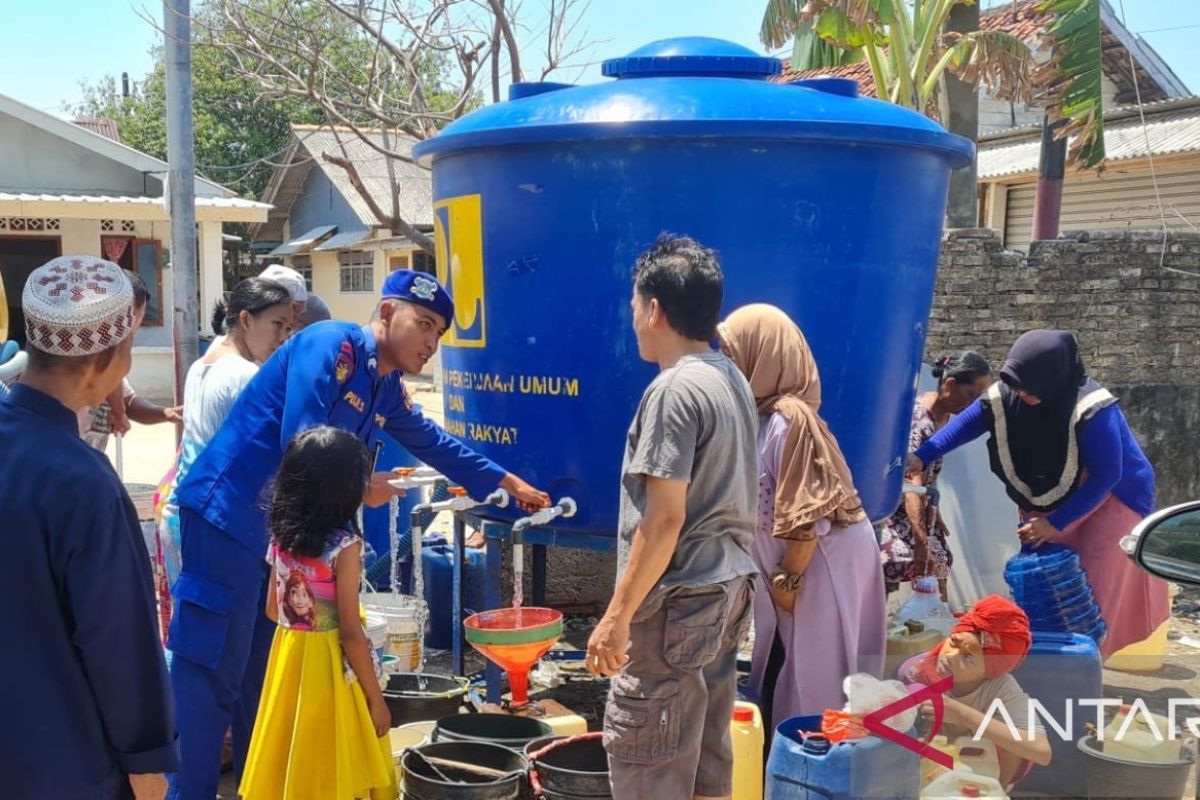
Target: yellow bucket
x,y
1147,655
402,737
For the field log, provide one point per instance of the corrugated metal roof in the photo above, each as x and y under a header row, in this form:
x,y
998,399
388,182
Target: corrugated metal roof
x,y
304,241
106,199
1175,128
345,240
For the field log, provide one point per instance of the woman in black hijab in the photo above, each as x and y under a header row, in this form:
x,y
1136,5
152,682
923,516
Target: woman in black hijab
x,y
1068,459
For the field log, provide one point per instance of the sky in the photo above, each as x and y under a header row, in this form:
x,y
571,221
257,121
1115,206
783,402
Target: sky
x,y
47,48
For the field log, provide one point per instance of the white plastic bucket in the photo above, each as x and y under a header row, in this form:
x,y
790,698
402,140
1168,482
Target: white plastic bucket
x,y
404,625
377,632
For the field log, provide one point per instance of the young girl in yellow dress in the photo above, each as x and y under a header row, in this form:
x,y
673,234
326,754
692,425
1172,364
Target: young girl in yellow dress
x,y
322,727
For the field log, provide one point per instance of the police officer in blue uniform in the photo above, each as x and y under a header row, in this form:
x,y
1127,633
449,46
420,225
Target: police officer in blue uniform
x,y
331,373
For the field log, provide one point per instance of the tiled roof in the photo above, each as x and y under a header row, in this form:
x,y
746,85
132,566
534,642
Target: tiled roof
x,y
860,72
101,125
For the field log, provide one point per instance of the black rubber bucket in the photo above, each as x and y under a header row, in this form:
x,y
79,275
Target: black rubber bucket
x,y
426,781
413,698
1116,777
576,770
502,729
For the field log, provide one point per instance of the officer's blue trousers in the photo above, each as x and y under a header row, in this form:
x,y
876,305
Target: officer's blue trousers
x,y
220,638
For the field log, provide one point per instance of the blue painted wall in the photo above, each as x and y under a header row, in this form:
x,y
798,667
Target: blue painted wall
x,y
320,203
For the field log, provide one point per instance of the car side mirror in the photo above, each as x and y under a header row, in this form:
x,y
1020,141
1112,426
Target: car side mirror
x,y
1167,543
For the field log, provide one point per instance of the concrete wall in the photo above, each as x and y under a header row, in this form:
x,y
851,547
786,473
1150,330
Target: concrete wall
x,y
31,160
1135,310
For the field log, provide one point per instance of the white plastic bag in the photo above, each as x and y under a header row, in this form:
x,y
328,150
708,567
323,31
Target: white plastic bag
x,y
866,693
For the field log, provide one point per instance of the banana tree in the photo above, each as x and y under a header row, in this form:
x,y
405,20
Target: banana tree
x,y
910,54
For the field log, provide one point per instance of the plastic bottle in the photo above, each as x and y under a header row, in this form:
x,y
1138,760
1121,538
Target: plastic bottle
x,y
1048,583
978,755
906,641
930,769
746,729
1141,742
926,606
962,783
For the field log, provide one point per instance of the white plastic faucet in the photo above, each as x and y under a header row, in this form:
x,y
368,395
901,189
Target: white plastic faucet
x,y
459,500
566,508
415,477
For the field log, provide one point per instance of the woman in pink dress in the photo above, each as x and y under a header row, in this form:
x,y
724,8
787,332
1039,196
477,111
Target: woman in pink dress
x,y
819,611
1068,459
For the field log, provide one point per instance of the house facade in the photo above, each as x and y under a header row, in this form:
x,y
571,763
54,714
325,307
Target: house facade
x,y
325,227
1150,178
66,189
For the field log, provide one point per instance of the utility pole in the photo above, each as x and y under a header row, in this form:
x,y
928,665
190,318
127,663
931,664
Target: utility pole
x,y
1052,169
962,100
181,187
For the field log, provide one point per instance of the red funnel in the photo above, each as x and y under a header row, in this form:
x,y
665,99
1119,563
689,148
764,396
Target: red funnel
x,y
514,639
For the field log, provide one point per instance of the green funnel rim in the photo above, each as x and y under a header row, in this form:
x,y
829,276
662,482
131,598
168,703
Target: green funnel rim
x,y
531,635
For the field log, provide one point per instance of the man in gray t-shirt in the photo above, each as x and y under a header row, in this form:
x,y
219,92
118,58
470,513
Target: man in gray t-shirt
x,y
689,489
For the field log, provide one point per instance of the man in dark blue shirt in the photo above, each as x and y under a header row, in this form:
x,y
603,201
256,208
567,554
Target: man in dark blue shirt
x,y
330,373
86,698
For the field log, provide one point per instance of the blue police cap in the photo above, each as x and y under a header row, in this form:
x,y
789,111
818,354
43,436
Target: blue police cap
x,y
421,289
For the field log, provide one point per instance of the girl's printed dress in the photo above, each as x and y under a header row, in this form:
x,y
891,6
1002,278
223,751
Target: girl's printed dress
x,y
897,540
313,737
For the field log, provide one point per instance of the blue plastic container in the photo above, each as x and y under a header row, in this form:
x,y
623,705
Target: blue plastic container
x,y
1061,670
438,558
826,204
798,769
1049,584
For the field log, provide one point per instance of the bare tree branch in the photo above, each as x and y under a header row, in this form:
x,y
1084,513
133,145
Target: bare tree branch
x,y
386,72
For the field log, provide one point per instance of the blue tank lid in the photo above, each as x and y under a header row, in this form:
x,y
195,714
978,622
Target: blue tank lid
x,y
692,55
694,87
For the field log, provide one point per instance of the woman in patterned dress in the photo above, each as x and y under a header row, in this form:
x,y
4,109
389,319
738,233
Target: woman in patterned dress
x,y
914,538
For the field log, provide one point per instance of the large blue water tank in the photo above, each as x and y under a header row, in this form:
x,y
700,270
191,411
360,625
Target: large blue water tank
x,y
824,203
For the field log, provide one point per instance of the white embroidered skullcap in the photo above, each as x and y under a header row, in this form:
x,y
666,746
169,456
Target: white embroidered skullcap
x,y
77,306
290,279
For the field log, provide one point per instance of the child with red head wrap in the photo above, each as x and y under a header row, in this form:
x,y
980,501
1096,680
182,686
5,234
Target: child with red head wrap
x,y
988,643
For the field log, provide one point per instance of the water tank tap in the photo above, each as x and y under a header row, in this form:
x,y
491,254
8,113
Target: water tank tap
x,y
415,477
565,508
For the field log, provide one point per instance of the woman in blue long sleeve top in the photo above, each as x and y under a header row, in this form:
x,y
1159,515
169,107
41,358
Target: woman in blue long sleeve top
x,y
1068,459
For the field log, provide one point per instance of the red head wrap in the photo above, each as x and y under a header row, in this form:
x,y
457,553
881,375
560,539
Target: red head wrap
x,y
1004,631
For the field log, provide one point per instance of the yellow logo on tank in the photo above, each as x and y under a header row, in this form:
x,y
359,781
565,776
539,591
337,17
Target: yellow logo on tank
x,y
458,232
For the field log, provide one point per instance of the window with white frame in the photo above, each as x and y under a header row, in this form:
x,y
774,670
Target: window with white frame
x,y
357,271
303,265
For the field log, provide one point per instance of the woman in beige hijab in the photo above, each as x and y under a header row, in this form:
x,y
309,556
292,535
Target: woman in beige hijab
x,y
819,611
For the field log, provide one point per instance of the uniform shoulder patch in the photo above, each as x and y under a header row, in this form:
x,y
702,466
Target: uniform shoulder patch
x,y
343,367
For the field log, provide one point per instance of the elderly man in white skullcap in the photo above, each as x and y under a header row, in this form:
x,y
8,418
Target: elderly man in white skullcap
x,y
87,688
